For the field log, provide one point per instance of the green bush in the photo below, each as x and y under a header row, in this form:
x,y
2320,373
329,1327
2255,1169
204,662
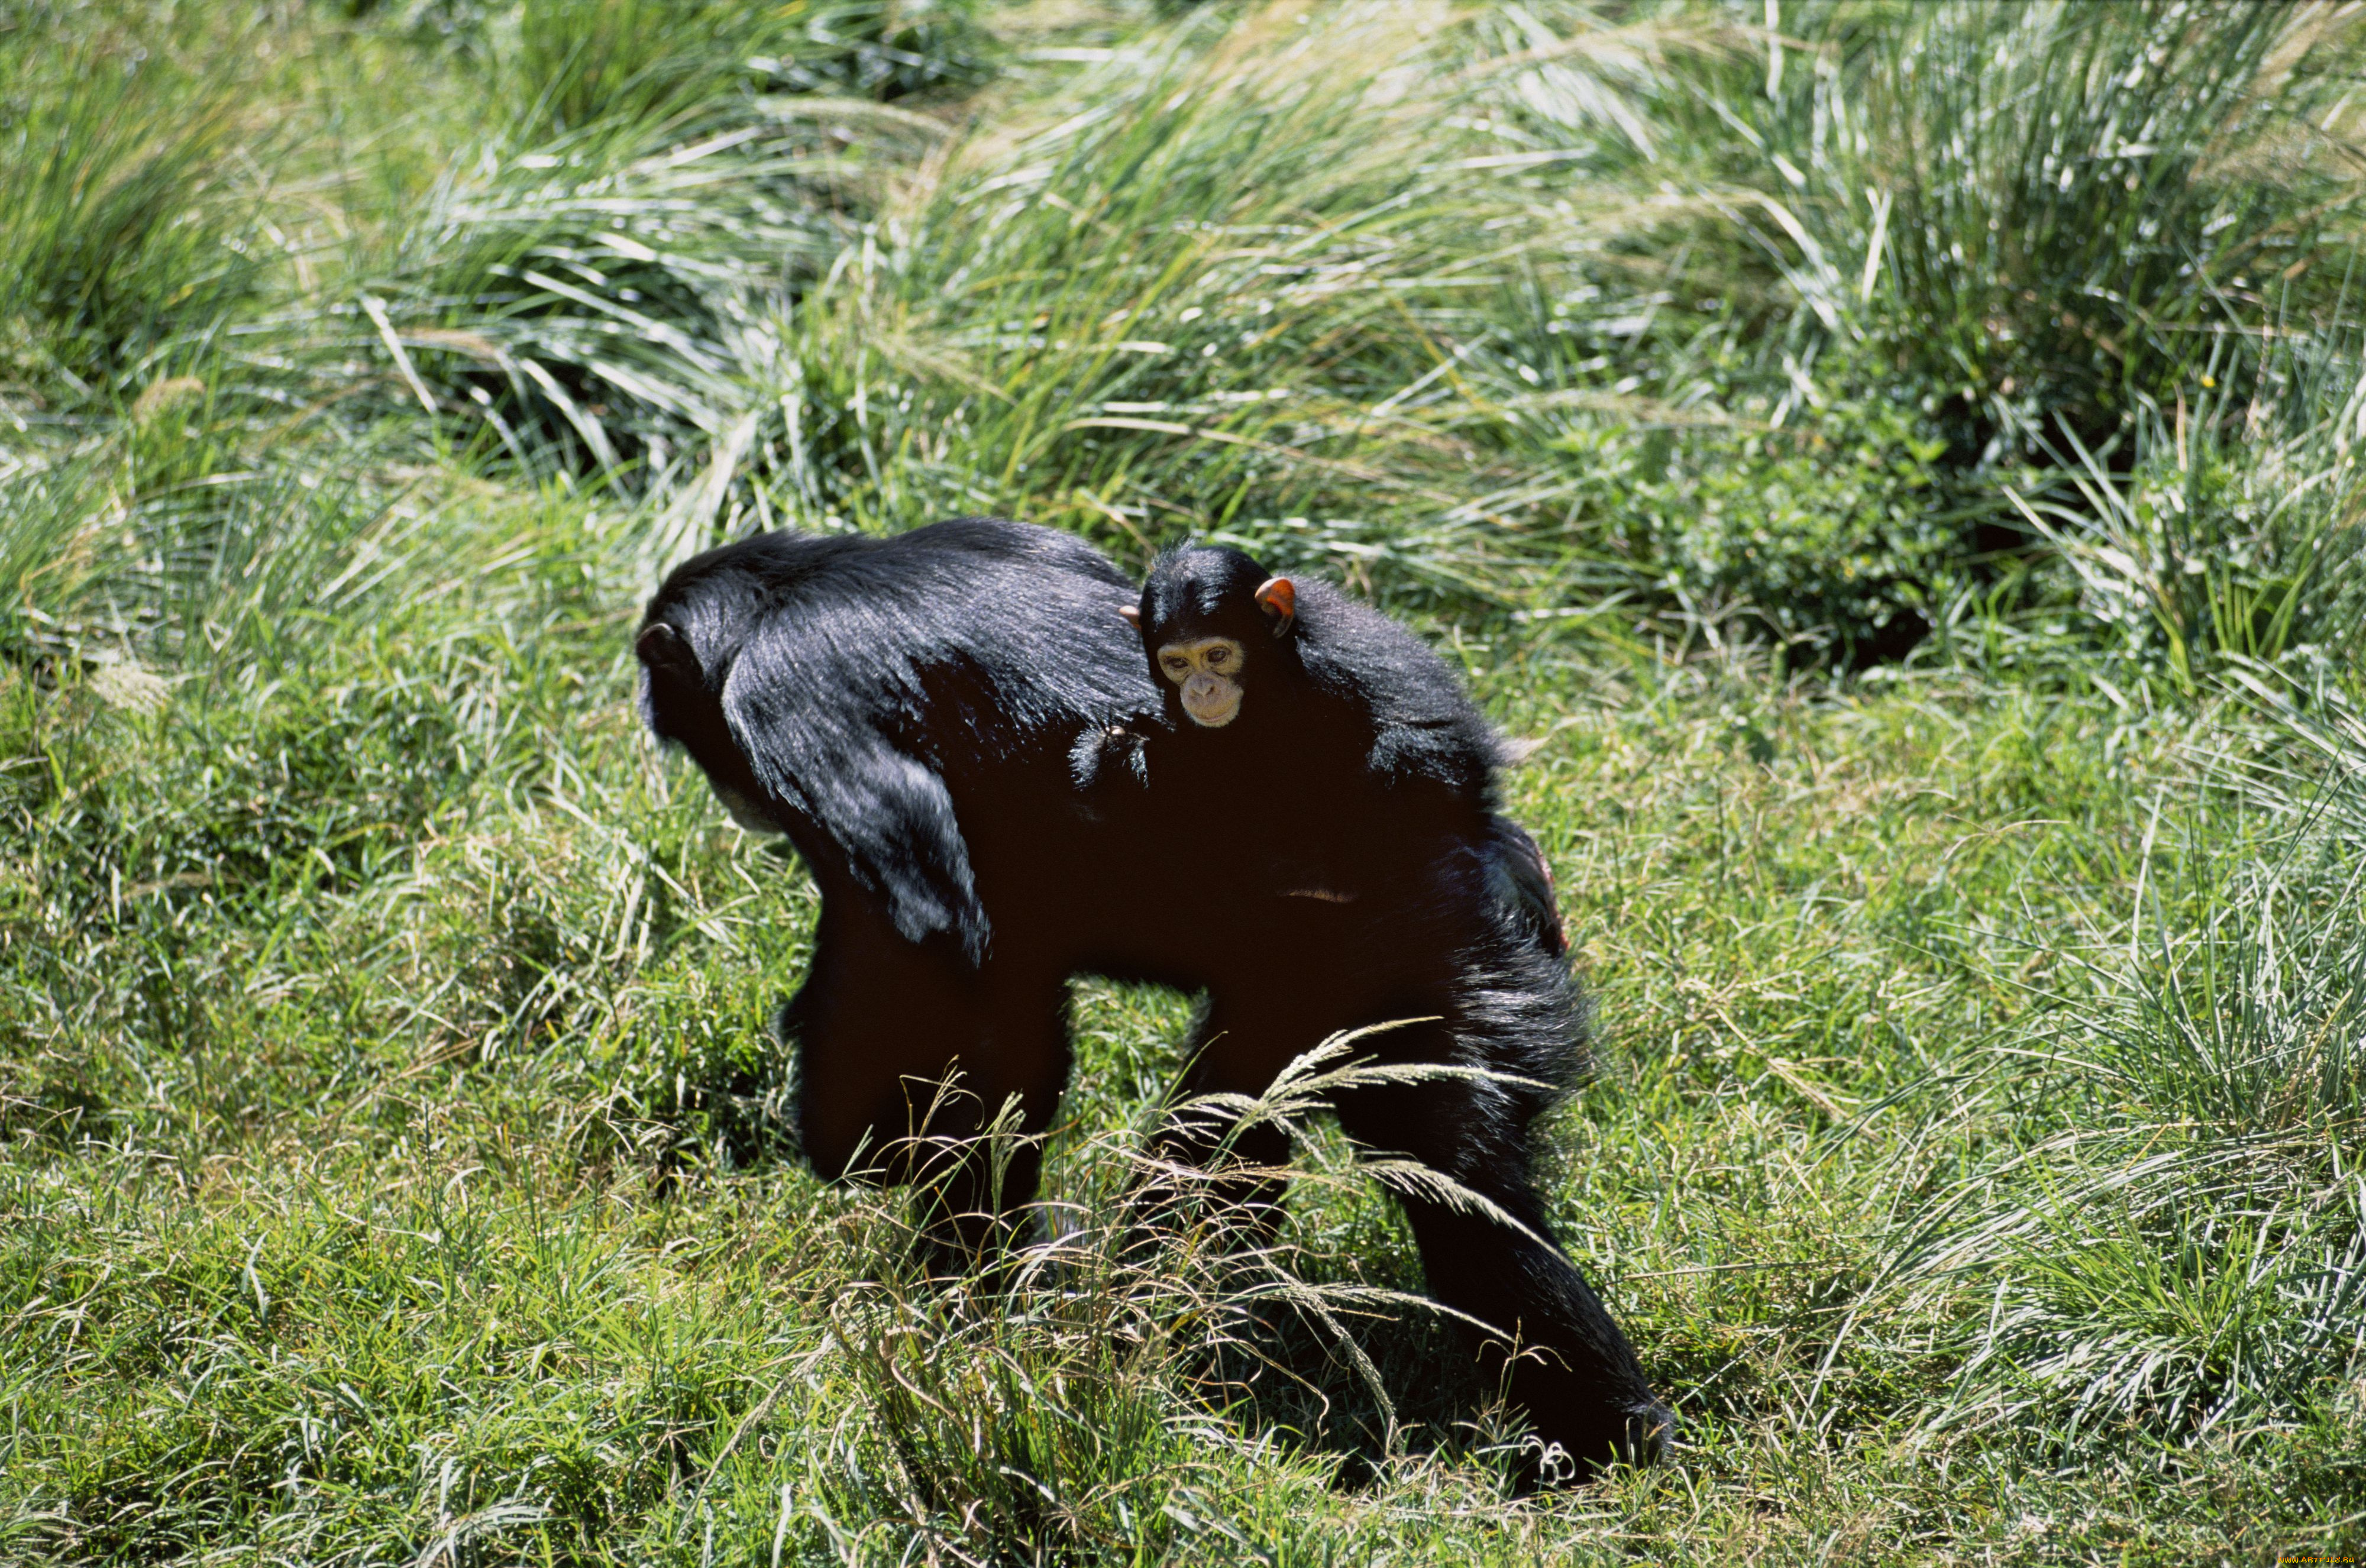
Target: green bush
x,y
1840,536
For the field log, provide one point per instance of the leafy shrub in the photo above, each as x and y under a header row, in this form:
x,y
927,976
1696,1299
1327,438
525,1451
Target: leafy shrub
x,y
1838,533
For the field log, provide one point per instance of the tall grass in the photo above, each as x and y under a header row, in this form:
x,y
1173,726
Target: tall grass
x,y
2183,1261
2226,535
2031,213
2006,231
576,63
1186,289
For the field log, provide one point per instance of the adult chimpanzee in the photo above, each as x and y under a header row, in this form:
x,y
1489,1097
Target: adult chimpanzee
x,y
1334,756
961,739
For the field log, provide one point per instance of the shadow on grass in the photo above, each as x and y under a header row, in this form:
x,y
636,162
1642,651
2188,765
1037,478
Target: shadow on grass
x,y
1288,1378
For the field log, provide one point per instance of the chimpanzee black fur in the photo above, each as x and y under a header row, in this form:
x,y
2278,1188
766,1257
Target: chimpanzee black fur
x,y
1354,776
904,709
953,728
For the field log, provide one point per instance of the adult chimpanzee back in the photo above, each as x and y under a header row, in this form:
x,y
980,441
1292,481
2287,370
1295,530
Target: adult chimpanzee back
x,y
959,735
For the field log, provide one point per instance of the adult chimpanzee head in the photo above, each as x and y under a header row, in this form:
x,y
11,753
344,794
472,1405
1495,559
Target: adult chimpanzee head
x,y
687,645
1214,623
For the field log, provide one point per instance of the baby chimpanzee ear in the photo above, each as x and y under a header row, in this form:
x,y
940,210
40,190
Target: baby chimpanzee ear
x,y
1279,600
1132,615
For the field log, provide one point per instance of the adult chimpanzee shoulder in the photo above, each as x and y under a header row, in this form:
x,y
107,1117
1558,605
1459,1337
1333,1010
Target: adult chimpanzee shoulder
x,y
1337,752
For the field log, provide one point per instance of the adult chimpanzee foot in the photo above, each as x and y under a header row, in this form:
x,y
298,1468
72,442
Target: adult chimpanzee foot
x,y
1489,1257
1575,1436
1576,1378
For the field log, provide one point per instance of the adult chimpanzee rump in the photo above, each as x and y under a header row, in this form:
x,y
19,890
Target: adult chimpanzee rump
x,y
1337,760
957,733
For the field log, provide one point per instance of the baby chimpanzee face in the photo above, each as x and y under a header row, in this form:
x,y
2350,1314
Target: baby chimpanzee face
x,y
1208,670
1201,612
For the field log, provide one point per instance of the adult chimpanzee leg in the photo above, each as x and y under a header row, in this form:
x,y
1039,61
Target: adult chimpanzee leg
x,y
984,1186
1575,1374
1207,1161
1282,989
906,1055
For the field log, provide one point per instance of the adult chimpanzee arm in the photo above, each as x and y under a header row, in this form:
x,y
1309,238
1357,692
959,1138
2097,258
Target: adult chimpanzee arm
x,y
885,811
900,706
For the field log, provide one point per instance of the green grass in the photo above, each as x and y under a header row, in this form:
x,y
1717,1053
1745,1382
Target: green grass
x,y
1945,647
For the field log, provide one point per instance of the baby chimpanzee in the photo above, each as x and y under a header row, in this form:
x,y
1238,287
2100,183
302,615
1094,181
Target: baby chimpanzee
x,y
1264,682
1323,752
